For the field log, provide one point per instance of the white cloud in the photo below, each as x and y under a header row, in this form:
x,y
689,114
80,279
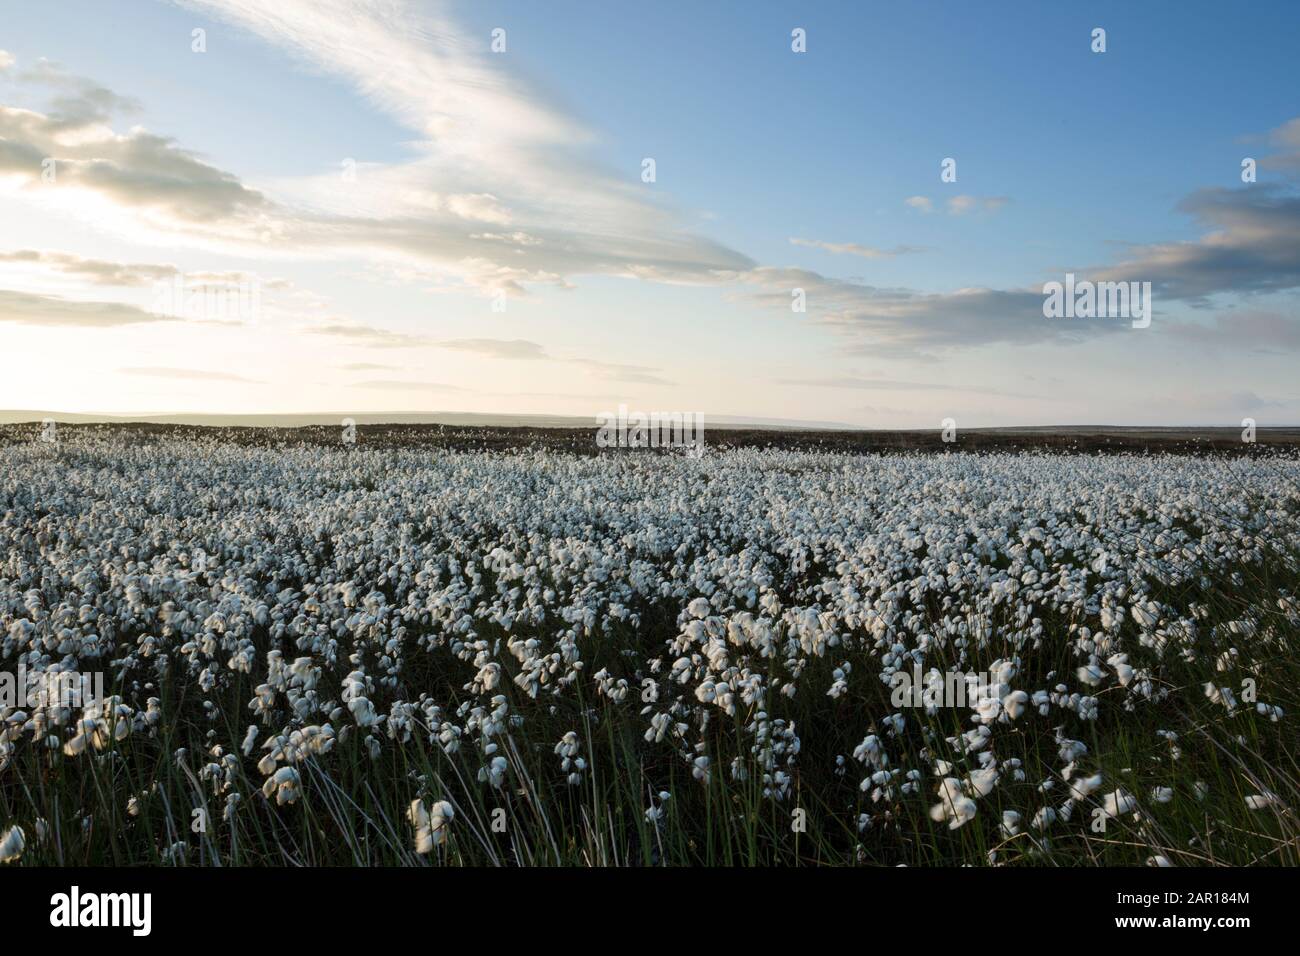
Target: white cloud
x,y
186,374
498,348
490,152
960,205
96,271
367,335
853,249
407,386
523,349
24,308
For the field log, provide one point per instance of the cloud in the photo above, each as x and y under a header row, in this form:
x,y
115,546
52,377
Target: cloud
x,y
6,60
1222,406
566,217
1285,138
78,101
25,308
369,336
904,322
498,348
568,396
1252,246
1245,331
393,385
963,204
367,367
523,349
487,152
853,249
97,271
616,372
136,170
189,373
501,196
959,205
893,385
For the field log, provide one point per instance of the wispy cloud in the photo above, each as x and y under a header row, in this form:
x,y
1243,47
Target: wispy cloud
x,y
492,157
96,271
24,308
904,322
532,351
498,348
618,372
369,336
894,385
1244,331
189,373
963,204
395,385
853,249
958,205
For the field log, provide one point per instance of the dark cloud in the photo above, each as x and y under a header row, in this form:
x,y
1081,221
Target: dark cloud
x,y
903,322
1253,247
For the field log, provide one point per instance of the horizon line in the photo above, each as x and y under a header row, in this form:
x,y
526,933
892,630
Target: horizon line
x,y
533,419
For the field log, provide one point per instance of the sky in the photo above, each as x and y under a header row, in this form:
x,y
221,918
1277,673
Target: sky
x,y
359,206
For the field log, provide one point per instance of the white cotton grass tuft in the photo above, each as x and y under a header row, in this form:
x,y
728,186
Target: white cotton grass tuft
x,y
494,773
1010,823
1081,787
788,613
12,845
1118,803
1262,801
954,807
283,785
431,823
700,770
568,750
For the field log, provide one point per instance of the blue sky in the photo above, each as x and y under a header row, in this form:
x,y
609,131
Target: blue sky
x,y
497,250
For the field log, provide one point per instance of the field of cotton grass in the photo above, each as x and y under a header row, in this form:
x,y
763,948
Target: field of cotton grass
x,y
420,656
